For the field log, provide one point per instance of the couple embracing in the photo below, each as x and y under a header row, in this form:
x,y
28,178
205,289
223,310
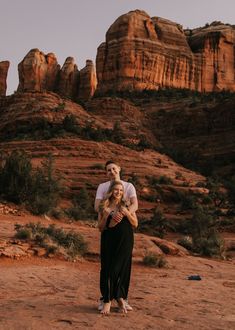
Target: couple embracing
x,y
116,204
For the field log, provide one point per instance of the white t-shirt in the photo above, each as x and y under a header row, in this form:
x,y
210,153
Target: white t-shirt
x,y
129,190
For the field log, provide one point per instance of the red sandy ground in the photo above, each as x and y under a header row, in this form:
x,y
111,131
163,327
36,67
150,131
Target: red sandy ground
x,y
40,293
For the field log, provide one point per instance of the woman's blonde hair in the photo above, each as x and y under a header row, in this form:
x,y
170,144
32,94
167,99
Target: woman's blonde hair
x,y
106,201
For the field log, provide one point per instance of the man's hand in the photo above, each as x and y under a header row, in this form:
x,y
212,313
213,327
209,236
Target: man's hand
x,y
117,217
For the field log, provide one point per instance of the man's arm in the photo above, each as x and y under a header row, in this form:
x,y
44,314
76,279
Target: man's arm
x,y
99,196
97,204
133,207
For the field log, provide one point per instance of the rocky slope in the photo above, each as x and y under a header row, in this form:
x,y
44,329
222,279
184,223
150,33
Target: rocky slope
x,y
161,297
34,122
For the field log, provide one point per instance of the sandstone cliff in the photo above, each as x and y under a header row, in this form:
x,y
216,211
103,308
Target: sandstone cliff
x,y
151,53
68,79
39,72
4,66
88,81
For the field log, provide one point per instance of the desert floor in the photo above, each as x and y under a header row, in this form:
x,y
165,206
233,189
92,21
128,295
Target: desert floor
x,y
48,293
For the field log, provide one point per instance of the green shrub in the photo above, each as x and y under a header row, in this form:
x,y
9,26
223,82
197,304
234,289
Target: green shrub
x,y
206,199
82,208
45,189
15,177
205,237
117,135
52,238
163,179
134,179
158,224
39,190
188,202
57,213
186,242
143,143
98,166
215,193
154,260
23,233
230,185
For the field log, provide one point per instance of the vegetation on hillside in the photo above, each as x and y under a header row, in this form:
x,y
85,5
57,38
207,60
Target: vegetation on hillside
x,y
38,189
52,239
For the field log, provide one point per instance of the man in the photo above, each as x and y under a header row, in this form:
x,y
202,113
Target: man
x,y
113,173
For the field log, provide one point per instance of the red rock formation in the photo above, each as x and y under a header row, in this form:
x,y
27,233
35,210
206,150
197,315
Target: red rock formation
x,y
213,47
38,72
4,66
88,81
148,53
68,79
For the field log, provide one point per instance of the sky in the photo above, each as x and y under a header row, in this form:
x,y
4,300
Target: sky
x,y
77,27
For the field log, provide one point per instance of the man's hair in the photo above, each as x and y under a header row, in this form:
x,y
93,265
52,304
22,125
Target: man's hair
x,y
111,162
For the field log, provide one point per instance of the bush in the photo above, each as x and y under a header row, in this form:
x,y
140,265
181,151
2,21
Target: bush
x,y
45,190
188,202
15,177
82,206
52,238
70,124
163,179
231,188
98,166
39,190
154,260
207,200
159,225
186,242
117,135
205,237
134,179
23,233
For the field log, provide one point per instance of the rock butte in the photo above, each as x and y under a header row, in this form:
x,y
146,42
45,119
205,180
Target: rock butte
x,y
39,72
141,52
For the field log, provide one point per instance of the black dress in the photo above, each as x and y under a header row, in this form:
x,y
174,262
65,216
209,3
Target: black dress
x,y
116,255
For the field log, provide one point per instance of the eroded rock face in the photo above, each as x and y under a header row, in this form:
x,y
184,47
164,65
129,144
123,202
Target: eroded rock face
x,y
68,79
38,72
88,81
149,53
4,66
213,47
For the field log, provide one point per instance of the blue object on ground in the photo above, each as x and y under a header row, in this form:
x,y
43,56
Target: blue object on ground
x,y
194,278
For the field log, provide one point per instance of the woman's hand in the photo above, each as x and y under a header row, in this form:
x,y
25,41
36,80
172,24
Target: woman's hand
x,y
106,212
102,218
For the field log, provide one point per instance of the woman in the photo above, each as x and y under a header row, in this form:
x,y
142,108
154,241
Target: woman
x,y
117,241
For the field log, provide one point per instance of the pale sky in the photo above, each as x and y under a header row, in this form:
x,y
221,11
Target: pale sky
x,y
77,27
